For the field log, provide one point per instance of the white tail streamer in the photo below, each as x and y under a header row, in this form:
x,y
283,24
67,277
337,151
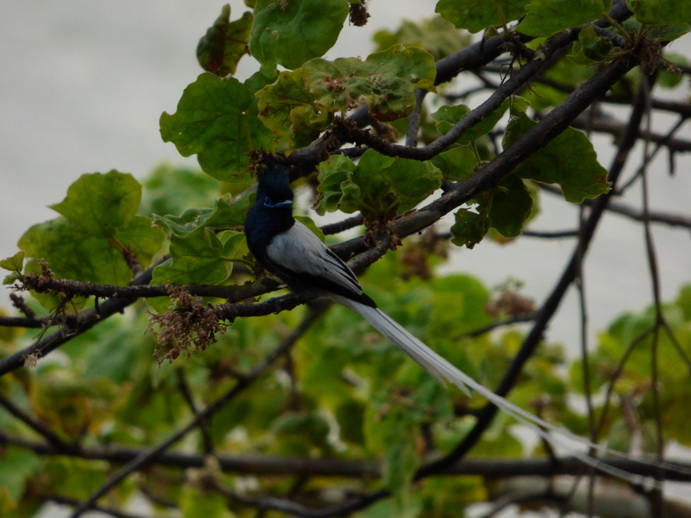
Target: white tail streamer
x,y
443,370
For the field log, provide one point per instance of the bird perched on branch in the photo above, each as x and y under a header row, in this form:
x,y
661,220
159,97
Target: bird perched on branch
x,y
288,249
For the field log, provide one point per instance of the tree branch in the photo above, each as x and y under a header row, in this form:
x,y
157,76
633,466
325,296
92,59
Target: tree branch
x,y
549,307
37,426
148,456
275,466
87,320
664,218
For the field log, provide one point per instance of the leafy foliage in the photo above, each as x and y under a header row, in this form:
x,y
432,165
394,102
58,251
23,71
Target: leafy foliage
x,y
99,232
476,15
302,103
290,33
545,17
222,139
398,186
341,412
569,160
225,43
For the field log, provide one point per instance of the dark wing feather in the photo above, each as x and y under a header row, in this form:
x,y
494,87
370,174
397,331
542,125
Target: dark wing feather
x,y
302,260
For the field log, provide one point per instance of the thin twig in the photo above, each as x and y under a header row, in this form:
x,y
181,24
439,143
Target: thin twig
x,y
618,371
549,307
583,308
656,495
87,320
37,426
149,456
665,218
184,388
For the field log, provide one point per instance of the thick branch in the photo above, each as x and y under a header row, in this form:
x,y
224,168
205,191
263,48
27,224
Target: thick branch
x,y
552,302
36,425
517,81
146,457
274,466
86,321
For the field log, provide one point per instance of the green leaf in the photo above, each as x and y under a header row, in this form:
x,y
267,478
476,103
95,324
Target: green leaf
x,y
654,12
14,263
386,508
72,255
477,15
217,120
223,216
447,116
202,257
195,502
225,43
399,449
99,204
385,81
565,71
568,160
203,246
301,103
435,35
590,47
289,33
141,238
99,225
661,33
18,465
546,17
298,433
635,334
684,301
377,186
511,206
350,416
171,190
72,477
672,76
505,208
457,163
469,227
290,111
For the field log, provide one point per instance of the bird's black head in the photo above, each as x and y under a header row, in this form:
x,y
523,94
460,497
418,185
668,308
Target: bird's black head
x,y
273,188
272,212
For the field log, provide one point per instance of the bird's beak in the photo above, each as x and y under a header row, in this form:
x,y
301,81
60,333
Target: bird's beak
x,y
286,203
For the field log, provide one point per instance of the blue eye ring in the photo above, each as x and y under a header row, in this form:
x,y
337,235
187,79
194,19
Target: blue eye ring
x,y
267,202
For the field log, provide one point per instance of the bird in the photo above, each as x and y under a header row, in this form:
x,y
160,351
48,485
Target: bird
x,y
291,251
288,249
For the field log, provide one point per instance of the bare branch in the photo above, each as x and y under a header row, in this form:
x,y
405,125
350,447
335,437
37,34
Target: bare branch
x,y
275,466
552,302
37,426
189,399
148,456
607,124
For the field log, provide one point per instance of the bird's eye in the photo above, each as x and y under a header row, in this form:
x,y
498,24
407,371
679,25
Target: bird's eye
x,y
267,201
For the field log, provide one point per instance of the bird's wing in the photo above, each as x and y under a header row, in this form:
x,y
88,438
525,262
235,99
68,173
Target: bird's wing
x,y
302,254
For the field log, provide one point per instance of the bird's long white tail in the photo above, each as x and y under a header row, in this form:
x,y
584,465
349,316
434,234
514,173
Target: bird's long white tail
x,y
444,371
